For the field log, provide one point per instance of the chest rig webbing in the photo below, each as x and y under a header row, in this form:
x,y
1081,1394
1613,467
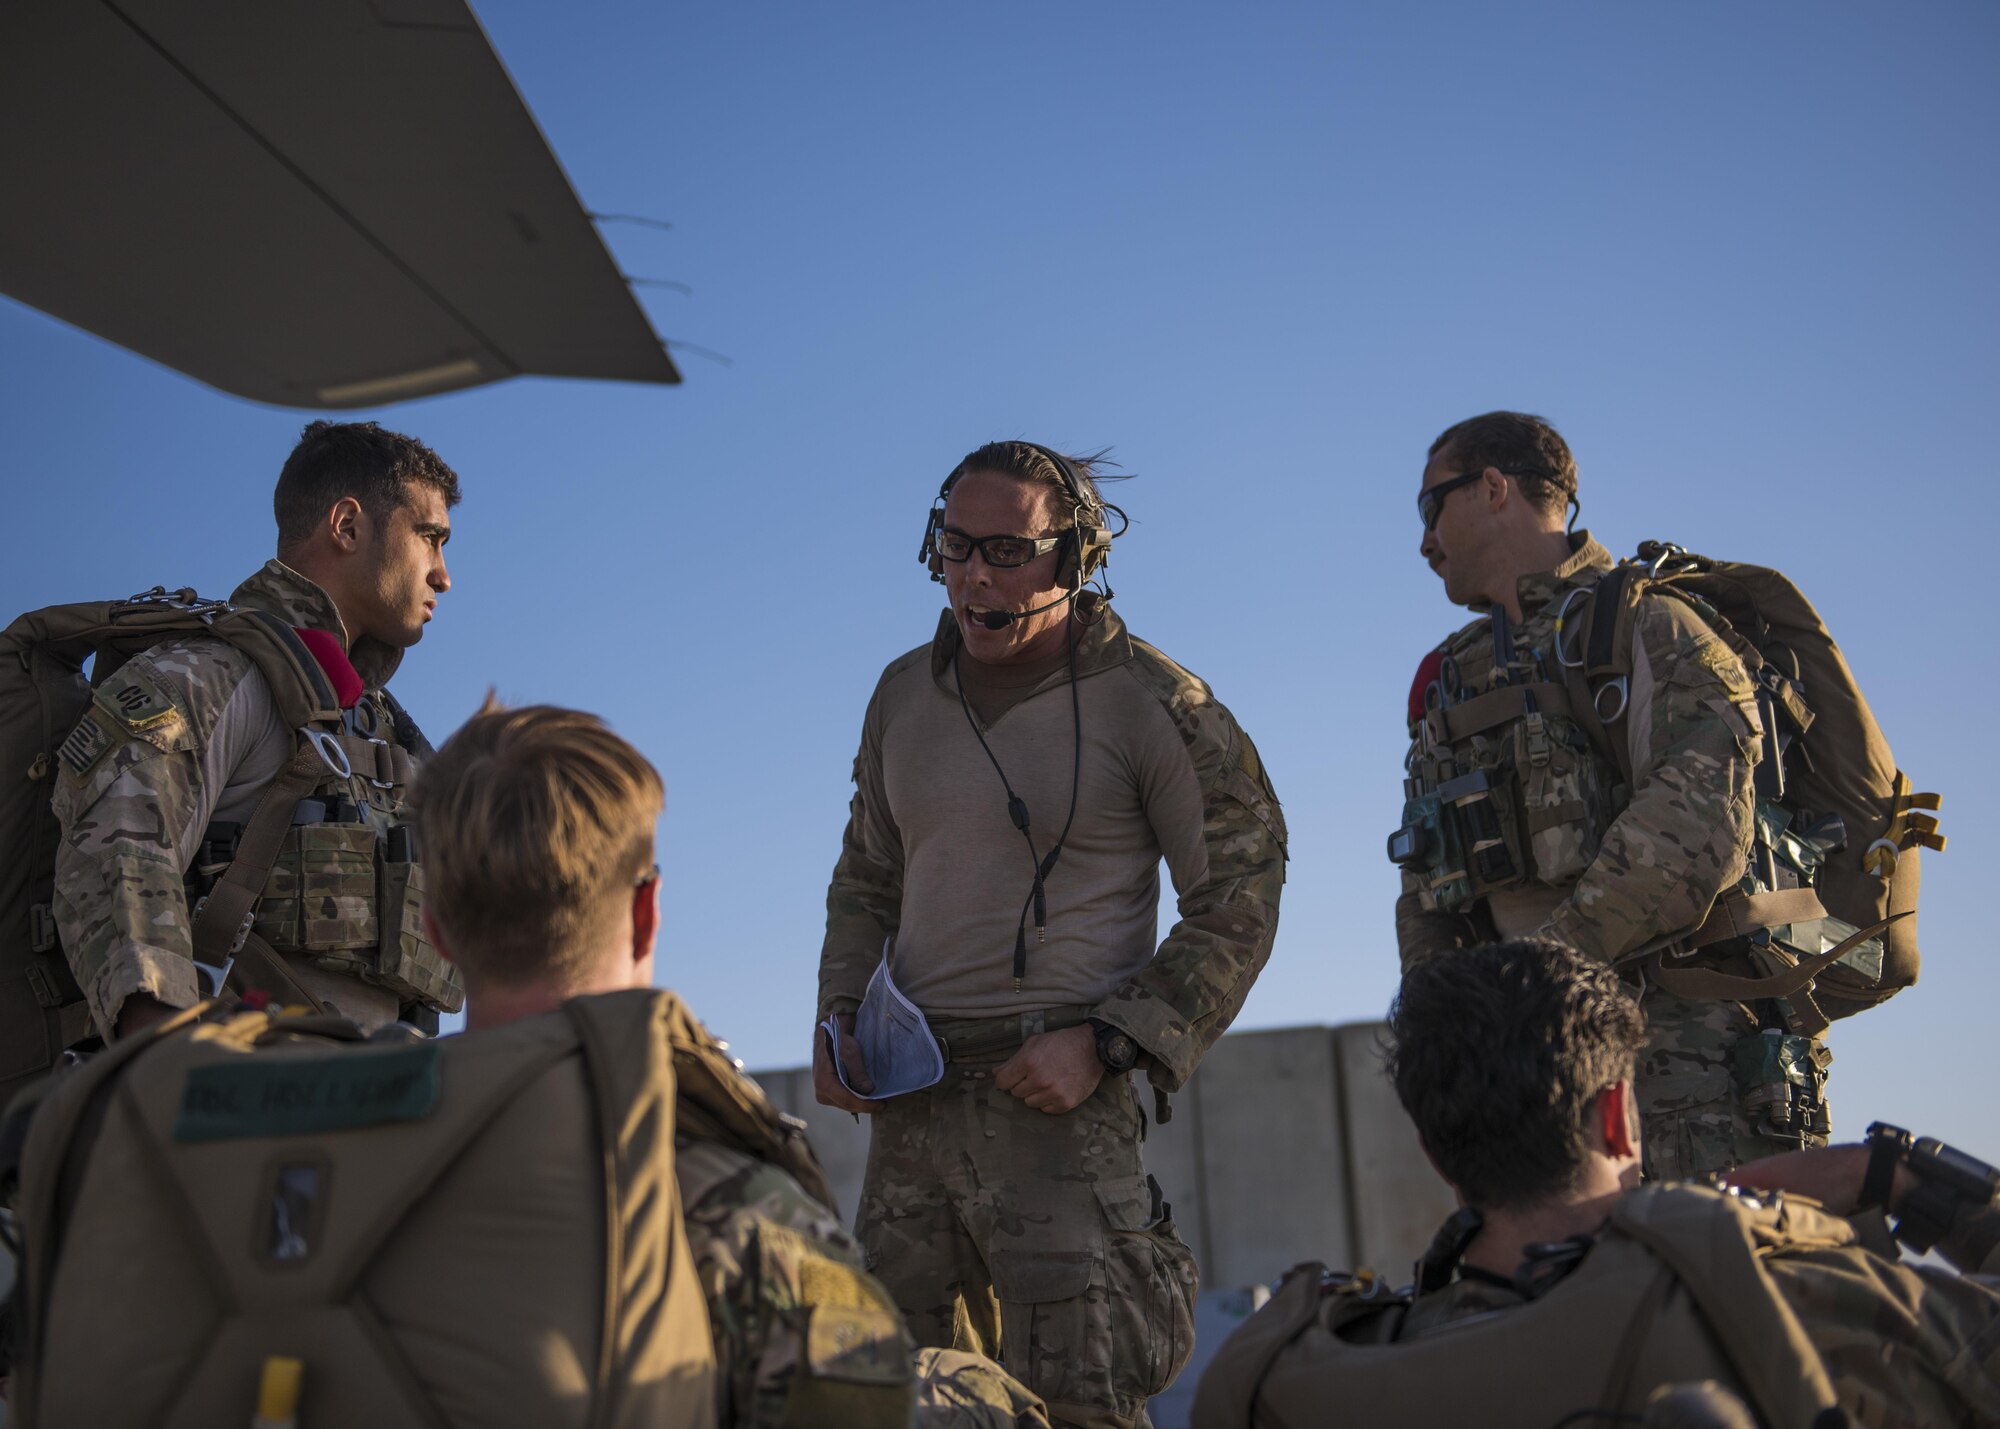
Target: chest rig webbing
x,y
1504,788
326,868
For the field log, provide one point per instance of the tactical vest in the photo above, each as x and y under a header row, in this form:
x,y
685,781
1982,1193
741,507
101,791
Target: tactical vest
x,y
1519,763
1672,1291
481,1230
300,876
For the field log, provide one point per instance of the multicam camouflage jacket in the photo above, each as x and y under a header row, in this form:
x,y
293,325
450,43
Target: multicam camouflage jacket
x,y
802,1335
1229,880
1594,864
194,743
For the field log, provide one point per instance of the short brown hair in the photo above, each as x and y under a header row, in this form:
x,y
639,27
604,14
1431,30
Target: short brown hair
x,y
1498,1054
1522,446
360,459
534,826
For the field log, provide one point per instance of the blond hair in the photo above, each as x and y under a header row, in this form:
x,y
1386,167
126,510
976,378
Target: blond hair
x,y
534,826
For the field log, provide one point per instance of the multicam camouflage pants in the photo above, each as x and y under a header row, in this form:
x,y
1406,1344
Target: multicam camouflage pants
x,y
1696,1114
1038,1240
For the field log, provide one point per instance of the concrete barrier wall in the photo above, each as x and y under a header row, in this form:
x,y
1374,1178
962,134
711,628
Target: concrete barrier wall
x,y
1286,1146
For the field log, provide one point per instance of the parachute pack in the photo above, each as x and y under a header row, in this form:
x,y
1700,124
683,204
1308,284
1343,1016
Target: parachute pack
x,y
1672,1291
214,1198
1839,827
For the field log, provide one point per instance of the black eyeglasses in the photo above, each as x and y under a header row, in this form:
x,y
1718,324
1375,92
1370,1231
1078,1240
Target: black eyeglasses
x,y
956,547
1430,501
651,875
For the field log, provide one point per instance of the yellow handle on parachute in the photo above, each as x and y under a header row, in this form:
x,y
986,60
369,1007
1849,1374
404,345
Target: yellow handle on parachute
x,y
278,1393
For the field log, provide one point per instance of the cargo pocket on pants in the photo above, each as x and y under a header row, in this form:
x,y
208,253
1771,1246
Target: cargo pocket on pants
x,y
1046,1323
1151,1280
1688,1123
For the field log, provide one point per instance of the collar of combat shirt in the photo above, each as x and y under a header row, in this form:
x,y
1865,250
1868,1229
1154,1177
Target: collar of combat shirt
x,y
1587,561
297,601
1100,645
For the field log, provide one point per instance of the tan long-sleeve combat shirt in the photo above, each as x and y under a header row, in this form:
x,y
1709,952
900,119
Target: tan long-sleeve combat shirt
x,y
931,857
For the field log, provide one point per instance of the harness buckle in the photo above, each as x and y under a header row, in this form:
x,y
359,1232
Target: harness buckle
x,y
330,751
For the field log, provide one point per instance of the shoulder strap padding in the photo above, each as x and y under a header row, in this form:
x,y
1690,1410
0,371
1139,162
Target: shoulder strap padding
x,y
719,1103
1712,1241
631,1043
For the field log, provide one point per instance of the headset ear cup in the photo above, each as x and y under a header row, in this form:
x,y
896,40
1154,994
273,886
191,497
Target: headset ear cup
x,y
1094,543
931,555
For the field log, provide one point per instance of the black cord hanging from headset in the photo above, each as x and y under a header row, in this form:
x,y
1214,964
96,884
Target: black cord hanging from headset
x,y
1017,808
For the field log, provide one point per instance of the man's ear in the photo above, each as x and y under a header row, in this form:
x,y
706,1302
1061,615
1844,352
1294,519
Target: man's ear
x,y
1496,486
645,919
1618,1120
437,937
345,523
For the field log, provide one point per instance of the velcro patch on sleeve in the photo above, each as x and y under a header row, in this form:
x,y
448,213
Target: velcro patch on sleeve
x,y
855,1346
138,701
250,1096
89,742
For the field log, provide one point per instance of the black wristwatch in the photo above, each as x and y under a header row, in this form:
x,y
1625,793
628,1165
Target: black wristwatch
x,y
1946,1180
1115,1047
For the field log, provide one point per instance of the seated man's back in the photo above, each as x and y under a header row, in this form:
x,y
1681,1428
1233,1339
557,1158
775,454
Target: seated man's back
x,y
1562,1291
578,1212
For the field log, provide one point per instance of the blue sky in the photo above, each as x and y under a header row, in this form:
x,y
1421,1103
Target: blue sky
x,y
1742,256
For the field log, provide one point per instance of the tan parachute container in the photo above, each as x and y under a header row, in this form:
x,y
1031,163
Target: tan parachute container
x,y
1672,1293
43,695
475,1231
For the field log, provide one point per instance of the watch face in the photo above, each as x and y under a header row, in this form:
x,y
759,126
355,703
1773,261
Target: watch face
x,y
1121,1051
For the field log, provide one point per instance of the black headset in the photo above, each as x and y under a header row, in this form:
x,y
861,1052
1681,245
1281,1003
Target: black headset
x,y
1086,545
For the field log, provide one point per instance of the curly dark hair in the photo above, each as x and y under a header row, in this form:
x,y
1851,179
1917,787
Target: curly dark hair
x,y
1523,446
359,459
1498,1054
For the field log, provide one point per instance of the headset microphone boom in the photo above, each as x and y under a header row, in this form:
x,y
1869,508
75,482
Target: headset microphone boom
x,y
1001,619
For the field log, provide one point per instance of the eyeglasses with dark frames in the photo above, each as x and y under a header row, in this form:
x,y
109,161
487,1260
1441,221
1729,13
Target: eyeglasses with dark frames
x,y
957,547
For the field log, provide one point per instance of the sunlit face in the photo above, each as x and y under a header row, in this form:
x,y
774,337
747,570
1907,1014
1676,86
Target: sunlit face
x,y
988,503
402,569
1456,545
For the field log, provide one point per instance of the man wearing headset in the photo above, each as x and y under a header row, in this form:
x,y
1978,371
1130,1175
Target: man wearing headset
x,y
1020,778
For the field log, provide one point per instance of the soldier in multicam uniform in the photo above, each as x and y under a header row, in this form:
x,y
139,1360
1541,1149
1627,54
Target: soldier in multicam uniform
x,y
1553,841
533,917
155,785
1007,1207
1567,1292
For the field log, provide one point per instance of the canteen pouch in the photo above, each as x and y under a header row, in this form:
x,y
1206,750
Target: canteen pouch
x,y
320,897
407,964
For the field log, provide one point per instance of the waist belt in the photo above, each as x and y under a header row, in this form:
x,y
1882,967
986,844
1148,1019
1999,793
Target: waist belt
x,y
978,1038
